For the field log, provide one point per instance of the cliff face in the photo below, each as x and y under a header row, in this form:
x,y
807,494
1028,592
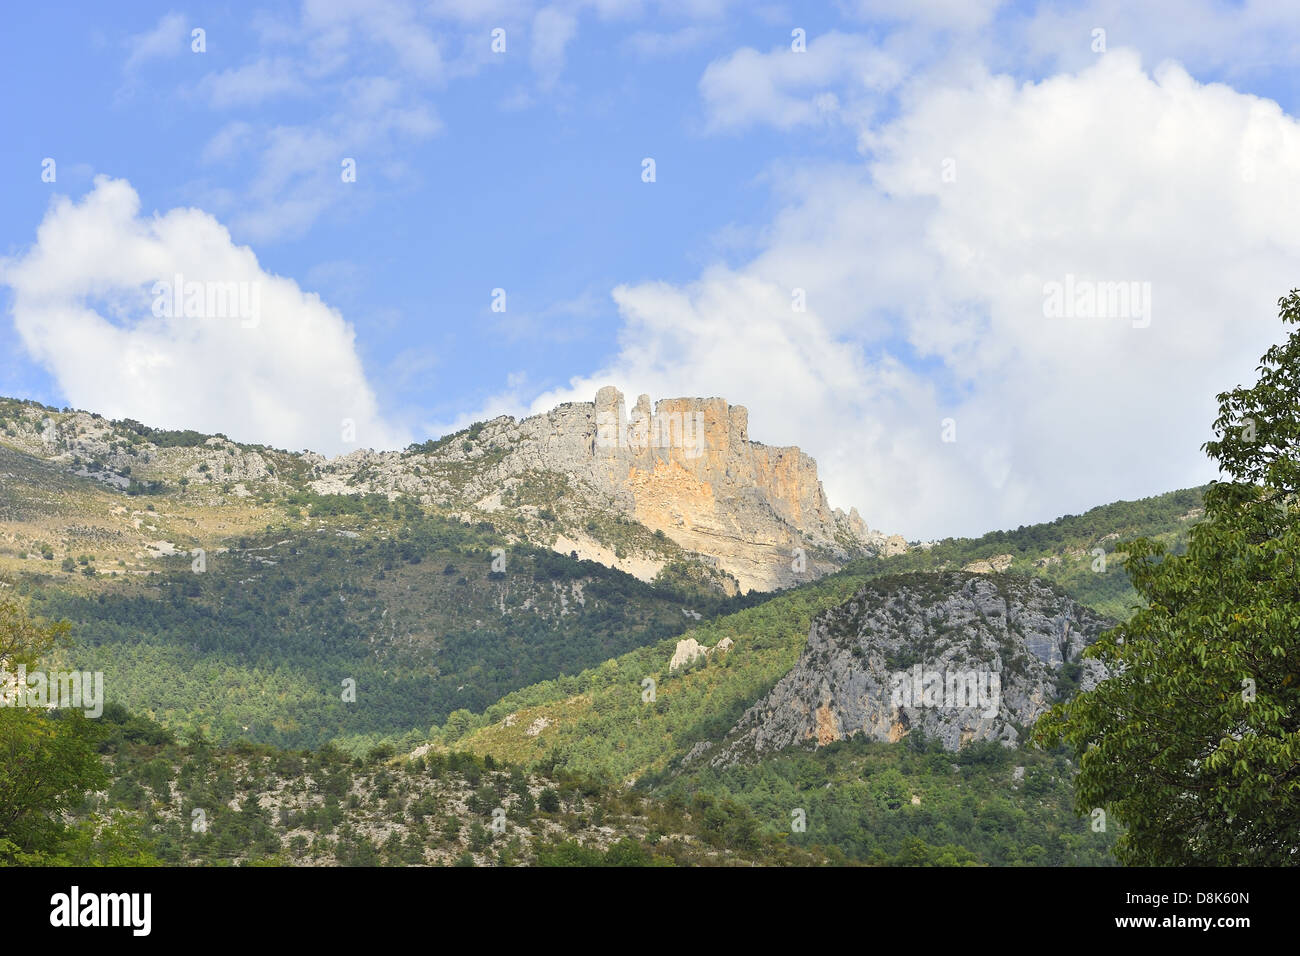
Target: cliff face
x,y
689,469
685,467
958,657
596,478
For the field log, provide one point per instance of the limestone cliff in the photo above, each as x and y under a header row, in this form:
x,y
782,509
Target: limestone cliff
x,y
686,468
958,657
677,489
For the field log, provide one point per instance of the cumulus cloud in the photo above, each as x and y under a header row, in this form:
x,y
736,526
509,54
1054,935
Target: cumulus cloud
x,y
253,355
925,270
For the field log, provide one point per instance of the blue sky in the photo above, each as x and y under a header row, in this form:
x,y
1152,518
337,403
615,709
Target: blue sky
x,y
776,169
544,200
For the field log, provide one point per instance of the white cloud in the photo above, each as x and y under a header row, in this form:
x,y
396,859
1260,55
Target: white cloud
x,y
352,112
283,371
363,75
788,89
925,297
935,14
228,142
254,83
395,25
1240,38
170,38
296,170
553,28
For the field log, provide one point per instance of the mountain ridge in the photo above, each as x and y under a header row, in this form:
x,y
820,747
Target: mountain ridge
x,y
634,490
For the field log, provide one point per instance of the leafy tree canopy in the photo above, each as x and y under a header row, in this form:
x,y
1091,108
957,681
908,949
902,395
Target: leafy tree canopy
x,y
1193,740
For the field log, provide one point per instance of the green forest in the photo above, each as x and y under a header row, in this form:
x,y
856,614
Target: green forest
x,y
404,604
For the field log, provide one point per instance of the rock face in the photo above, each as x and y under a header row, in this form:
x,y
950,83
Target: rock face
x,y
957,656
685,467
597,479
993,565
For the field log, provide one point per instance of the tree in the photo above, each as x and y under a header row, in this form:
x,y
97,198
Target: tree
x,y
1192,741
627,852
47,760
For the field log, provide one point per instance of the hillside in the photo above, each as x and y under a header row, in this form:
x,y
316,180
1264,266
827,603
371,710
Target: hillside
x,y
646,491
1075,551
914,804
259,644
959,658
433,612
222,592
596,721
258,598
190,803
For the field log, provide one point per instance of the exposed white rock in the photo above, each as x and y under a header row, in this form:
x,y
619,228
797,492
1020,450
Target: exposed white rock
x,y
688,650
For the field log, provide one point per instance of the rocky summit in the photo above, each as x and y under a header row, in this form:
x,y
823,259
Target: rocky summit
x,y
677,486
685,469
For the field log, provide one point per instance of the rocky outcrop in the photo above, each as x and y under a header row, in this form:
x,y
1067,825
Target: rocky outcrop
x,y
995,564
689,650
112,453
958,657
753,516
685,467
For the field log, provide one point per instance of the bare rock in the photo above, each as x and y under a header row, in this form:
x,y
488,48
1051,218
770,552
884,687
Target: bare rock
x,y
958,657
687,650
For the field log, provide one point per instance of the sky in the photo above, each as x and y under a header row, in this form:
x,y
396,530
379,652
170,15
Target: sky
x,y
988,263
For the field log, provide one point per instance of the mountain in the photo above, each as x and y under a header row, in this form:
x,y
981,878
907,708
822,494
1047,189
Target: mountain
x,y
477,593
223,586
677,490
686,470
235,587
